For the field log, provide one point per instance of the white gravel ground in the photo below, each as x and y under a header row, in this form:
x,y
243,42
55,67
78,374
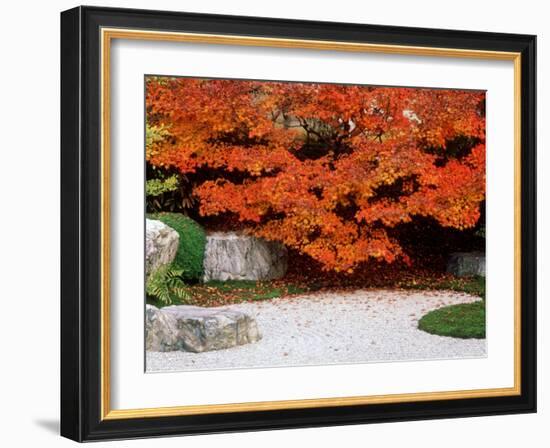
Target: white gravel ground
x,y
329,328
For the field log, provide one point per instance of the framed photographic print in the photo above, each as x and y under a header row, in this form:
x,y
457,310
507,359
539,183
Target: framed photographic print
x,y
273,223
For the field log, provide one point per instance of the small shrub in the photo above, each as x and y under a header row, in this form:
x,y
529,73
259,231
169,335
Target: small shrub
x,y
157,187
192,243
166,191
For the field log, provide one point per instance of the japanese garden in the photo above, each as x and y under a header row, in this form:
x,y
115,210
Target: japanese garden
x,y
298,223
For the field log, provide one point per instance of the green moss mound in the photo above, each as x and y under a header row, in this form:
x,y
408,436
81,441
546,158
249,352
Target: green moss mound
x,y
190,255
466,321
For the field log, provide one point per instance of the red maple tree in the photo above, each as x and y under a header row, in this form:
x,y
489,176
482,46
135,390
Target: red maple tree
x,y
326,169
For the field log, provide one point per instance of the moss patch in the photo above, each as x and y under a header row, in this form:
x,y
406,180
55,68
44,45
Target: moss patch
x,y
234,291
470,285
217,293
466,320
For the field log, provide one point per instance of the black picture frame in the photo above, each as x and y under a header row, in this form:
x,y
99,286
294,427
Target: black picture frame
x,y
81,209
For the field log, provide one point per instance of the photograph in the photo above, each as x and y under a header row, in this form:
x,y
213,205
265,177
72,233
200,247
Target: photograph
x,y
272,223
302,223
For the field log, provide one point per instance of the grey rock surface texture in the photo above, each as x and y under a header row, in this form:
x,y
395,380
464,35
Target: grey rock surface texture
x,y
160,330
234,256
196,329
466,264
161,245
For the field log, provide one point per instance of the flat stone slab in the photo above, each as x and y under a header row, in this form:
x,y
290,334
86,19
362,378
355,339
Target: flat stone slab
x,y
196,329
466,264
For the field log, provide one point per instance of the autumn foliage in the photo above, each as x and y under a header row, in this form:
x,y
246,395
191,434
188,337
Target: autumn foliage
x,y
326,169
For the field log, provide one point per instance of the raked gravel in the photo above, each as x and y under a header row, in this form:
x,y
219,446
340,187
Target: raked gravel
x,y
338,327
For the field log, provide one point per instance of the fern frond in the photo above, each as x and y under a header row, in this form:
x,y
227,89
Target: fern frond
x,y
166,286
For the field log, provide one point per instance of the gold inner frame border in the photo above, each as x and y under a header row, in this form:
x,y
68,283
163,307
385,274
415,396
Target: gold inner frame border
x,y
107,35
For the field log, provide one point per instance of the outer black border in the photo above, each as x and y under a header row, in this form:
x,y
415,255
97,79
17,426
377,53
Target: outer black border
x,y
80,223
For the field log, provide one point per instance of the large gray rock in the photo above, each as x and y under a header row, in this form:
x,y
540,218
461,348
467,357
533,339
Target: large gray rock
x,y
197,329
466,264
161,333
161,245
234,256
